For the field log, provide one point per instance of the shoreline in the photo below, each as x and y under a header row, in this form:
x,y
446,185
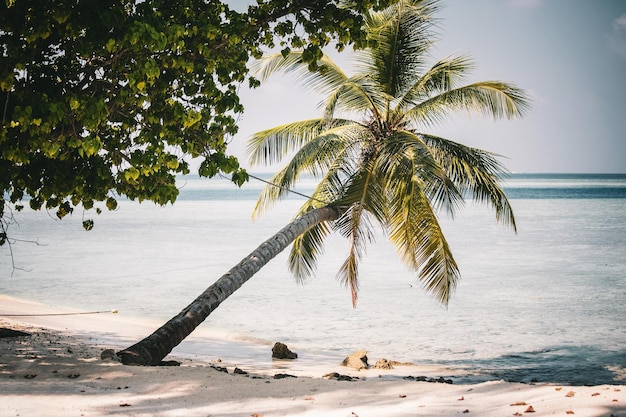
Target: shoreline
x,y
53,373
108,330
57,371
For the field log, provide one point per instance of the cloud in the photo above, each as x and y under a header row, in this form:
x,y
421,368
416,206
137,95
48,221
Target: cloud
x,y
619,24
617,39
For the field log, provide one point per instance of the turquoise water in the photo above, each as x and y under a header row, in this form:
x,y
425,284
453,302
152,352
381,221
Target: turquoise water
x,y
545,304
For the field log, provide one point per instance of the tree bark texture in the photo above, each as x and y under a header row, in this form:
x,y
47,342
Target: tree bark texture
x,y
152,349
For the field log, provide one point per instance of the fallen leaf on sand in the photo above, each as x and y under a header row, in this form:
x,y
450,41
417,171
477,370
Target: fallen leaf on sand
x,y
530,409
617,390
465,411
309,399
558,388
569,412
570,394
256,415
518,403
595,394
124,405
402,396
461,399
615,400
517,414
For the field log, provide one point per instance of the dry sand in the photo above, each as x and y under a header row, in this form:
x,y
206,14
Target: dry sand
x,y
57,371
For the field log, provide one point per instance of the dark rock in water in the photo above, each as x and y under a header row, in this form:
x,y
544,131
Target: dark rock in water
x,y
11,333
416,378
281,351
239,371
357,360
283,376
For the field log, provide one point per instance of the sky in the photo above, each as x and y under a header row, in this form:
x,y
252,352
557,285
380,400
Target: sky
x,y
569,55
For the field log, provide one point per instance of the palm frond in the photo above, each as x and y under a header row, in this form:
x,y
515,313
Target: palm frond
x,y
491,98
403,35
363,196
356,226
419,239
359,94
271,145
305,251
307,247
445,75
315,157
405,155
476,171
326,78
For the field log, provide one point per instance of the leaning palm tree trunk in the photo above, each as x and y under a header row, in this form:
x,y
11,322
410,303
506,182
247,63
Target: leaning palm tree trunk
x,y
152,349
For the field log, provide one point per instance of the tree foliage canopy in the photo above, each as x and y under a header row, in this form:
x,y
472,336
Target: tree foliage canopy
x,y
103,98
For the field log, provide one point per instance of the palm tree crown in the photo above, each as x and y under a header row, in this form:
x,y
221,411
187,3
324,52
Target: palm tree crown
x,y
371,156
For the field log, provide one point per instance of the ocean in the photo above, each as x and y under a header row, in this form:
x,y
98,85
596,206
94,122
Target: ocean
x,y
547,304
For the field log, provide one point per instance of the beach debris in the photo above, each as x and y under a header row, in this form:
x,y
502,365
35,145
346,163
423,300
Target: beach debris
x,y
440,380
339,377
281,351
358,360
461,399
109,354
73,376
124,405
383,364
570,394
570,412
239,371
30,376
402,395
558,388
530,409
256,415
595,394
465,411
283,376
517,414
220,368
519,403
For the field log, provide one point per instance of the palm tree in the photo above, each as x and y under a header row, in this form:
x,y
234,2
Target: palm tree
x,y
375,163
375,169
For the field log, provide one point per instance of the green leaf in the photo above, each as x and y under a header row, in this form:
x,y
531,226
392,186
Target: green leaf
x,y
111,203
131,174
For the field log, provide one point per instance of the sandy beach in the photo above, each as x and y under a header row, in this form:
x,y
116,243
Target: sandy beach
x,y
57,370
